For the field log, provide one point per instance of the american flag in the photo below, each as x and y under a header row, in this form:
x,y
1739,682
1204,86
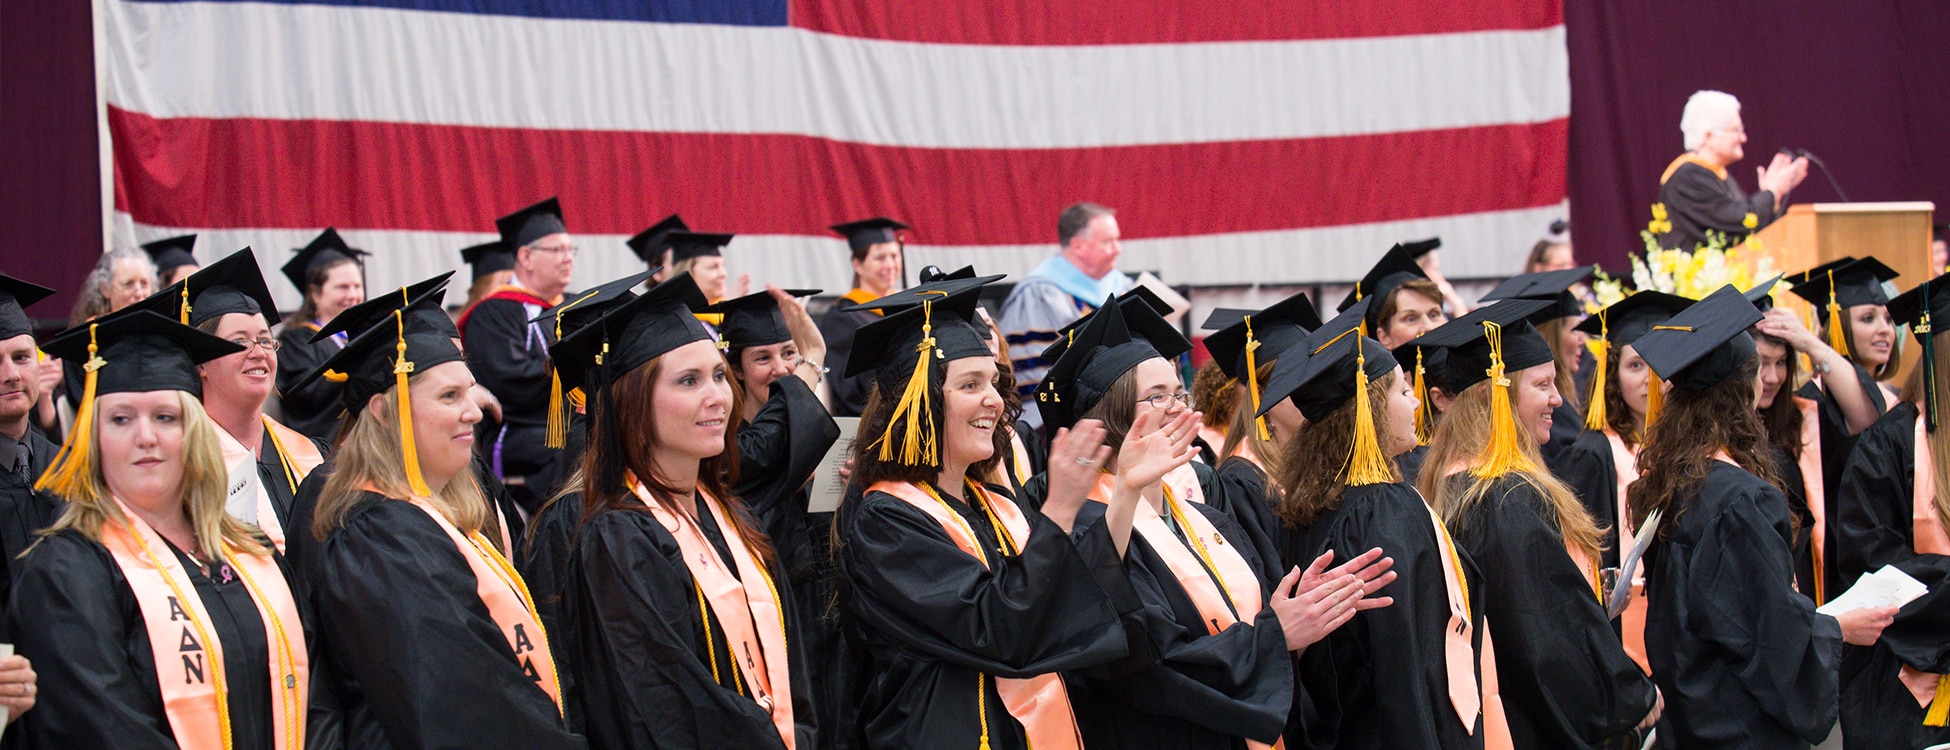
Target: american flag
x,y
1241,141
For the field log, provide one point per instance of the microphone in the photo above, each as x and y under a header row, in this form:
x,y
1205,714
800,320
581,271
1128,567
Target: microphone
x,y
1816,160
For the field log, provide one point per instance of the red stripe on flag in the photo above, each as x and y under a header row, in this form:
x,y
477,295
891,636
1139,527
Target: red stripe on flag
x,y
234,173
1170,21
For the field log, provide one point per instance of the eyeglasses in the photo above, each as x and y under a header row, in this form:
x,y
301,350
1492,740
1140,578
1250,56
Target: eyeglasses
x,y
568,250
267,344
1163,401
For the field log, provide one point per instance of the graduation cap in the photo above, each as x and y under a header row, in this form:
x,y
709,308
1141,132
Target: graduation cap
x,y
1427,372
1840,284
1622,324
354,320
1332,366
1918,308
928,289
131,351
489,257
1395,267
1152,326
327,248
1110,342
1546,285
1703,345
407,340
686,244
14,295
567,318
869,232
934,273
1762,294
1487,344
642,328
649,244
753,320
522,228
901,349
172,253
232,285
1242,336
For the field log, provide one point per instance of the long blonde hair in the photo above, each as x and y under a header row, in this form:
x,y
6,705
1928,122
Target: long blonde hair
x,y
1459,439
205,483
369,457
1240,430
1940,439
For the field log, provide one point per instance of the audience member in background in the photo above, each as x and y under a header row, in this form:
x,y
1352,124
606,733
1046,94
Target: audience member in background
x,y
121,278
332,278
174,258
1699,195
1404,303
878,262
1940,249
1064,288
493,264
701,254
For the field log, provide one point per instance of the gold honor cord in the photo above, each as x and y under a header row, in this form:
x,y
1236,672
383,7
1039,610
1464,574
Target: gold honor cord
x,y
1178,514
287,664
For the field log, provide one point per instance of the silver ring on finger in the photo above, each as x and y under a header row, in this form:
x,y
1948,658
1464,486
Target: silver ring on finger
x,y
1081,461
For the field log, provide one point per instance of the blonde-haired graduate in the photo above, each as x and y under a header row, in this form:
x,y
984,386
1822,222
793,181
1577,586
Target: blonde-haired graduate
x,y
154,618
1565,679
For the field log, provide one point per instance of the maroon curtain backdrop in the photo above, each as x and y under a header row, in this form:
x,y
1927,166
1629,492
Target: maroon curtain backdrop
x,y
1865,85
50,196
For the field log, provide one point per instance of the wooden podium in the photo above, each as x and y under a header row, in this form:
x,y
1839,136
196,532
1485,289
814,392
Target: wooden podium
x,y
1898,234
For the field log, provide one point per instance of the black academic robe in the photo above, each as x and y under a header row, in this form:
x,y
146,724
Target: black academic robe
x,y
1410,464
1743,660
849,395
1565,678
272,476
543,559
1566,423
1836,445
1588,468
1380,681
418,659
651,673
23,511
1254,503
939,624
1804,522
1698,201
1206,690
509,357
1876,529
314,409
76,618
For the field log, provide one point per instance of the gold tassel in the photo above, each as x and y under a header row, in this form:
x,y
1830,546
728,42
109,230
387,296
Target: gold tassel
x,y
1939,713
183,310
71,470
1655,400
1365,463
1422,422
918,444
408,450
1252,378
1504,454
558,422
1837,335
1594,413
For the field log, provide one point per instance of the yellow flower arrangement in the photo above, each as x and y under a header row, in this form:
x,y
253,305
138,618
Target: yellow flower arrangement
x,y
1688,273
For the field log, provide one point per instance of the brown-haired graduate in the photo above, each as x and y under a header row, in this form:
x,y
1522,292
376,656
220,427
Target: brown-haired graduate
x,y
879,262
1401,676
1402,302
1895,508
677,617
331,277
1565,680
1741,659
1558,325
430,632
969,604
155,619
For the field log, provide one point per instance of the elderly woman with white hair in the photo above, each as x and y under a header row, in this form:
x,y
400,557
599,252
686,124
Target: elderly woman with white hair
x,y
1698,194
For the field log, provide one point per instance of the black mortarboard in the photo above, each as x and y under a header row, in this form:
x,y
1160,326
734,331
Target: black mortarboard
x,y
934,273
753,320
522,228
1704,344
869,232
685,244
172,253
489,257
1545,285
1626,320
650,244
934,289
1110,342
1762,294
327,247
1321,376
576,312
902,350
356,319
1396,266
384,357
1274,329
14,295
1919,308
232,285
1152,326
1854,282
639,330
1471,352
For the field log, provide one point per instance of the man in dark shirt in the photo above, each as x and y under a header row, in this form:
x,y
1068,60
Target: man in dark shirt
x,y
24,453
1698,194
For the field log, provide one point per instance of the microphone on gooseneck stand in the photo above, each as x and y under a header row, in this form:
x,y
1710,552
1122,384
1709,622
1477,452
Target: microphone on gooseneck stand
x,y
1816,160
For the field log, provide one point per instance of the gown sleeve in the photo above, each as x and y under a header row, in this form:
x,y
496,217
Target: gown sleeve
x,y
1876,529
1586,466
1251,498
778,451
1703,196
403,622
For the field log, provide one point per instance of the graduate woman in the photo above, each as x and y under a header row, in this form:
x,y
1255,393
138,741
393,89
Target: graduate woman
x,y
679,622
879,261
154,618
1402,302
331,277
1741,659
969,604
430,632
1895,508
1401,676
1559,325
1565,680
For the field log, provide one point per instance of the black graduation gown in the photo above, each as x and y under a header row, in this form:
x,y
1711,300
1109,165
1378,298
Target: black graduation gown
x,y
416,654
23,511
543,559
1380,681
1410,464
1566,423
1698,201
314,409
1206,690
509,357
271,475
76,618
849,395
1804,523
1252,498
1565,678
632,627
1743,660
1876,529
1836,444
1587,466
937,622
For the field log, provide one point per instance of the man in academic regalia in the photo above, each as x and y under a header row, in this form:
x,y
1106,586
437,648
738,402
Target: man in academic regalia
x,y
1064,288
509,354
24,453
1700,196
